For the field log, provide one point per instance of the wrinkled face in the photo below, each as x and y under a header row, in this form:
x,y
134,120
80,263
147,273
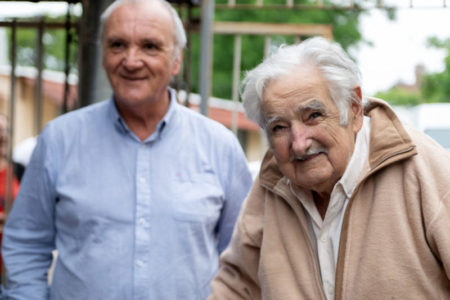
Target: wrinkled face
x,y
138,45
310,145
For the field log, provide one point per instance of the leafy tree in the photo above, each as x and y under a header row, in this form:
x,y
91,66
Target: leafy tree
x,y
344,22
400,96
436,86
53,45
345,31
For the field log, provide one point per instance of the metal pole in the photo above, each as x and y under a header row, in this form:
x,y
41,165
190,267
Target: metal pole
x,y
65,107
187,56
267,46
93,84
38,87
206,54
236,79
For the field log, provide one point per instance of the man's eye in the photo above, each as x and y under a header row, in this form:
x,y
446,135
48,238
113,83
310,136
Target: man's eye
x,y
315,115
116,45
150,46
278,128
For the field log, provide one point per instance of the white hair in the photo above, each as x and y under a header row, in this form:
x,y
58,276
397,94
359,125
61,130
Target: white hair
x,y
179,33
339,71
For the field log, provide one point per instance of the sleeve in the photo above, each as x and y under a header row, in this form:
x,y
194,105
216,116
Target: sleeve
x,y
28,238
432,170
438,232
237,186
238,274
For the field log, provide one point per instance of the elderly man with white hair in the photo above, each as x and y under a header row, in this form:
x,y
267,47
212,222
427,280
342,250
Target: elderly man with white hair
x,y
349,204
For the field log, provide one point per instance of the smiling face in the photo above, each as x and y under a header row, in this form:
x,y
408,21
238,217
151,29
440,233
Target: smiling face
x,y
139,59
310,145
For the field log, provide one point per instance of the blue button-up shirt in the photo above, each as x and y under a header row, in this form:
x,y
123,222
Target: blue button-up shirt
x,y
130,219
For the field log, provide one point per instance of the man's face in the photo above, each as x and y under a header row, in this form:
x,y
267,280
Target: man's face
x,y
138,45
312,149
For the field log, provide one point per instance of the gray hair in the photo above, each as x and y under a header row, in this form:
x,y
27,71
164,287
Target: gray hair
x,y
339,71
179,33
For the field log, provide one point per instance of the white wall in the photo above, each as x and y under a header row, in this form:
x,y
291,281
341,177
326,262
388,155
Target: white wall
x,y
431,118
3,47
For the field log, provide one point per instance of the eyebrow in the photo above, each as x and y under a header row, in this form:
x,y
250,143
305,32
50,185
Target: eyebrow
x,y
157,42
112,39
272,120
315,105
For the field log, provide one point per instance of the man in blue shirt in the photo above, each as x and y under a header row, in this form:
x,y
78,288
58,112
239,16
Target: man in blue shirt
x,y
138,194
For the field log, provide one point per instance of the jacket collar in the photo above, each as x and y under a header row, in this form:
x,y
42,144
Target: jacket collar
x,y
389,142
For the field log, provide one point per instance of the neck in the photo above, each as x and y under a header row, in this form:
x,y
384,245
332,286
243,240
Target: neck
x,y
321,200
143,118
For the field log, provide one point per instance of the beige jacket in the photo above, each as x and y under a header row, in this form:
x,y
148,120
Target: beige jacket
x,y
395,240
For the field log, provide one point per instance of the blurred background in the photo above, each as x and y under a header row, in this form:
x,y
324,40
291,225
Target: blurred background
x,y
50,58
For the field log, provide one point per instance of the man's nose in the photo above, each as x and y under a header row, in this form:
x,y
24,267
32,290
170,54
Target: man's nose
x,y
132,59
300,139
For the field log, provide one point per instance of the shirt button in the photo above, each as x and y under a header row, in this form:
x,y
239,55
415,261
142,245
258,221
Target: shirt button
x,y
142,221
141,179
140,263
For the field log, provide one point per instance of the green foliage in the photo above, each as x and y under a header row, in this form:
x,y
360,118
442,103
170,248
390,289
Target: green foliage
x,y
345,31
436,86
53,42
400,96
344,22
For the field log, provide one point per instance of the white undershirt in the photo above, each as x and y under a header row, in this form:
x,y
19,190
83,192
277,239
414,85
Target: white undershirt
x,y
326,233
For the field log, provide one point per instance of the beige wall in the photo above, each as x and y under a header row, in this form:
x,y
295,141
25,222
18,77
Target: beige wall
x,y
4,93
24,117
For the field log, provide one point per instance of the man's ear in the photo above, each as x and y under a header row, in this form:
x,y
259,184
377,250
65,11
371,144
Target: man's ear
x,y
357,110
358,92
177,63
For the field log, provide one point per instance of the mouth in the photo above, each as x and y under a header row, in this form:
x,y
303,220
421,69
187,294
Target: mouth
x,y
309,155
132,78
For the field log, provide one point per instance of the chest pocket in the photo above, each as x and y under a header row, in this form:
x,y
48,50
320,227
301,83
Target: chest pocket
x,y
198,198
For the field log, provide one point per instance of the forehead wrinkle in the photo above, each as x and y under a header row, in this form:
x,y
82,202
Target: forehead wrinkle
x,y
310,105
273,120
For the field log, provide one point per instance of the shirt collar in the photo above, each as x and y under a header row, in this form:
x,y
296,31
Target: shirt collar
x,y
357,161
169,116
120,124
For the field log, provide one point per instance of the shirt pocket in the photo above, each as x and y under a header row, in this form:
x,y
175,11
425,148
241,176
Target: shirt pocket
x,y
198,198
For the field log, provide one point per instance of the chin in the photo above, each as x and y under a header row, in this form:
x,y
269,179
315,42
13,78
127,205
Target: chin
x,y
130,99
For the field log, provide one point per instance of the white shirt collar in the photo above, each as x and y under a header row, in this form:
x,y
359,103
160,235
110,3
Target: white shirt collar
x,y
357,161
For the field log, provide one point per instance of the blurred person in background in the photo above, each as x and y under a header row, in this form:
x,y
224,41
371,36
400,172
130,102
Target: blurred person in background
x,y
5,168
